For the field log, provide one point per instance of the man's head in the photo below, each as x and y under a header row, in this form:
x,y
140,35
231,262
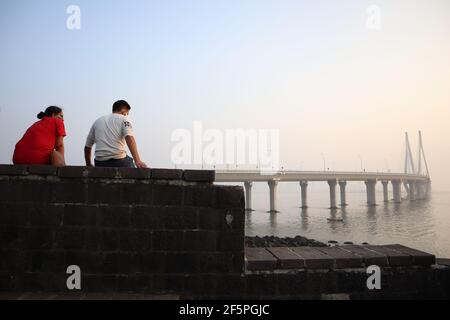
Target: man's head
x,y
121,107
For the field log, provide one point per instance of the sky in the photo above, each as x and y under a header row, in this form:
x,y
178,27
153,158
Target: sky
x,y
338,91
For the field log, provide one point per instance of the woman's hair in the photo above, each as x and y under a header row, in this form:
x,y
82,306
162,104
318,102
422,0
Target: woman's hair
x,y
49,112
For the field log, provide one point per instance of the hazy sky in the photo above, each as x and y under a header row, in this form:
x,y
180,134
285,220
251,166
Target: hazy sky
x,y
311,69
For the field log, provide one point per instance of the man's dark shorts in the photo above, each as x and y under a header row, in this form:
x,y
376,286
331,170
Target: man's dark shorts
x,y
126,162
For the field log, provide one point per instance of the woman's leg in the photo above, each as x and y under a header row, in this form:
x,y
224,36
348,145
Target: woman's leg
x,y
57,159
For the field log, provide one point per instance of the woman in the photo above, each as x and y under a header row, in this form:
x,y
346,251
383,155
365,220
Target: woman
x,y
43,142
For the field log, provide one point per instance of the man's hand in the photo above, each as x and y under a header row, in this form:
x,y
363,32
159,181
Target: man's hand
x,y
87,156
140,164
131,142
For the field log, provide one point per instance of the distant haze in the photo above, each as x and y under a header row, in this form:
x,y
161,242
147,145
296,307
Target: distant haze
x,y
337,90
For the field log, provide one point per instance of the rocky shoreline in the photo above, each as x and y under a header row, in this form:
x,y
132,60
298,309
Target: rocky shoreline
x,y
272,241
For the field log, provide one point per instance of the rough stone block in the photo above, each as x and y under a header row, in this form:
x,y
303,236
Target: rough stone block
x,y
135,240
182,262
14,261
233,220
11,236
231,241
137,283
43,170
210,218
314,259
46,215
13,170
147,217
418,257
79,215
167,195
212,262
48,261
112,216
180,218
73,172
40,238
104,192
27,190
174,240
199,196
109,239
230,197
369,257
100,283
395,258
70,238
101,172
287,259
153,262
135,173
69,191
261,285
199,175
93,237
342,258
259,259
138,193
15,214
202,241
167,174
159,240
89,262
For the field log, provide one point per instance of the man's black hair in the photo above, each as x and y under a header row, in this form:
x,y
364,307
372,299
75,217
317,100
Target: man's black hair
x,y
119,105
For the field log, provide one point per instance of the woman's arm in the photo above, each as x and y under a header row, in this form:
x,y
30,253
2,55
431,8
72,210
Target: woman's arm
x,y
59,145
57,157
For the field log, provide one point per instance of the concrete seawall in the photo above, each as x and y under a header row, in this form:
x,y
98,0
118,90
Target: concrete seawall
x,y
156,231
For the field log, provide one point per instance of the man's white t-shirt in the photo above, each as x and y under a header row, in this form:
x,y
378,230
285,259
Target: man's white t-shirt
x,y
108,134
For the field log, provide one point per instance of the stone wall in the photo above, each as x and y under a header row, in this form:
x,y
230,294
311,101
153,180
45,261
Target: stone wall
x,y
157,231
127,229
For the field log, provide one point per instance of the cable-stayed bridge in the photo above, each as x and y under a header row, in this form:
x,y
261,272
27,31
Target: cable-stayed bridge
x,y
415,180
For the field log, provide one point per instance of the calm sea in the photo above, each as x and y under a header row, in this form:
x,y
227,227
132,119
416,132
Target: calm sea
x,y
423,225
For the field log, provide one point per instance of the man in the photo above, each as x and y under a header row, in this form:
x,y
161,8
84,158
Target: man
x,y
110,134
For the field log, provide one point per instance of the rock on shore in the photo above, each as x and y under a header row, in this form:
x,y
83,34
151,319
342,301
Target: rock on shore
x,y
272,241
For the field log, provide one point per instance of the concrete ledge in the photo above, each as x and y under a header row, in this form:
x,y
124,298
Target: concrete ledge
x,y
74,172
12,170
167,174
332,258
199,175
260,259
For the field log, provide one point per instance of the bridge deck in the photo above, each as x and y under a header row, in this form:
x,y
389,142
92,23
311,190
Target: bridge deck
x,y
242,176
340,257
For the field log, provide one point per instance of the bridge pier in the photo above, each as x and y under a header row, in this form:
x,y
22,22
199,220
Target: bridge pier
x,y
412,190
332,184
273,195
397,190
422,189
385,190
342,185
248,195
304,187
427,189
371,195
